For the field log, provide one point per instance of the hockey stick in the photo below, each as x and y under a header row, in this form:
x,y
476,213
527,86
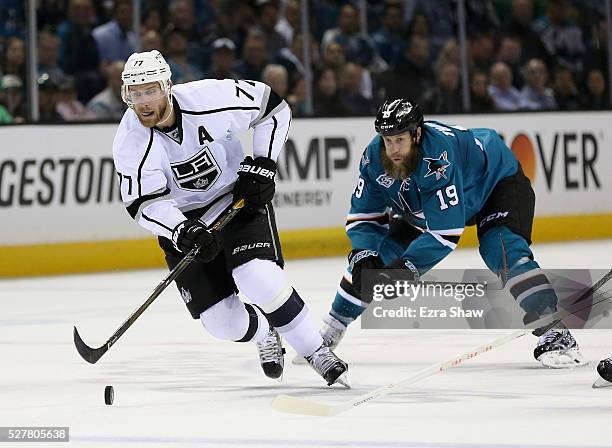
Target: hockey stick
x,y
92,355
295,405
564,314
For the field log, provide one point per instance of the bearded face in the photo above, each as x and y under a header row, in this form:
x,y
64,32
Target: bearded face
x,y
400,156
151,103
402,169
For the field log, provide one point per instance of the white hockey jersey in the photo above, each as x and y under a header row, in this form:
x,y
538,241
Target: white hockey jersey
x,y
164,175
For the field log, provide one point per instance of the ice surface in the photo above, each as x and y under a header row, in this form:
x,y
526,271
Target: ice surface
x,y
177,386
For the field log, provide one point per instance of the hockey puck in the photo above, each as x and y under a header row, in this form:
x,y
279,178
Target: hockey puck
x,y
109,395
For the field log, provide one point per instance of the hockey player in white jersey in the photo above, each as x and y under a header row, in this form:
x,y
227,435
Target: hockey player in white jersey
x,y
181,165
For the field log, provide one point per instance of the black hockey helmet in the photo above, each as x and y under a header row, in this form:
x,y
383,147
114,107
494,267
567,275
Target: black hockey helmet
x,y
398,116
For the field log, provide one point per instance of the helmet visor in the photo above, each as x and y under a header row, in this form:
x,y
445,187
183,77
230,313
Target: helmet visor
x,y
139,94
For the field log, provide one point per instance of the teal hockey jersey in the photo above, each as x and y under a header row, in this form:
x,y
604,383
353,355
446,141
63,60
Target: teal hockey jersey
x,y
457,171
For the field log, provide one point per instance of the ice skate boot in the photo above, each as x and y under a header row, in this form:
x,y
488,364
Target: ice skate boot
x,y
558,349
332,331
271,354
329,366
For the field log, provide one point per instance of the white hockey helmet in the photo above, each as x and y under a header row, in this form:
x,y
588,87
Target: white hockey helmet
x,y
144,68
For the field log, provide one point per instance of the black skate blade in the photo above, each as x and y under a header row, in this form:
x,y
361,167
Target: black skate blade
x,y
341,379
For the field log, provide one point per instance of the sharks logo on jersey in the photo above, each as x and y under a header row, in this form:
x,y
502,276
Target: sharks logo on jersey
x,y
198,173
437,166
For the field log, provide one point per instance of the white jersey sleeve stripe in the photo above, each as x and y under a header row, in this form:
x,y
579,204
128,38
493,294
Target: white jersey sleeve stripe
x,y
356,223
443,241
455,232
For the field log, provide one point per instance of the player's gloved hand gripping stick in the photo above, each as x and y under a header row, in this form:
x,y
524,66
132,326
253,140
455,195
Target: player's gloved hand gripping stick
x,y
189,235
92,355
255,182
359,261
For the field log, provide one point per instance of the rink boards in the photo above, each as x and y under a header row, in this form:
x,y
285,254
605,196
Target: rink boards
x,y
61,212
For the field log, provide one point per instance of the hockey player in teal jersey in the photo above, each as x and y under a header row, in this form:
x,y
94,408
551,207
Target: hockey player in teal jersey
x,y
437,179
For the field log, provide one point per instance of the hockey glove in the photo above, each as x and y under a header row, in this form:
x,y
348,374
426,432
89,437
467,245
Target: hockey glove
x,y
360,259
397,271
408,270
255,182
190,234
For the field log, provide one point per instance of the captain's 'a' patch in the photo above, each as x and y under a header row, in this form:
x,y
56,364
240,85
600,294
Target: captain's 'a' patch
x,y
198,173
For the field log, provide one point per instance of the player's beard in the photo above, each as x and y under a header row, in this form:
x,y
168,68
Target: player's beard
x,y
403,169
159,113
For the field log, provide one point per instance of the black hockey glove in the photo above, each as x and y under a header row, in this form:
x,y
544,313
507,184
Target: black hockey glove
x,y
255,182
190,234
409,270
360,259
398,270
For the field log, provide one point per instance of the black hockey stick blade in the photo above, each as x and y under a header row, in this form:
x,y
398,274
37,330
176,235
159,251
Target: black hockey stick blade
x,y
91,355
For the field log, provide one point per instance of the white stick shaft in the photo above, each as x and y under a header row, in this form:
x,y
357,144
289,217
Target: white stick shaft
x,y
287,403
439,367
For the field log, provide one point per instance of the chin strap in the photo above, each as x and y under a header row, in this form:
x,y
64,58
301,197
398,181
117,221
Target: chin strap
x,y
168,110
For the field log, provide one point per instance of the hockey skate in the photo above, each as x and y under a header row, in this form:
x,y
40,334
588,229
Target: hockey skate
x,y
329,366
271,354
332,333
605,374
558,349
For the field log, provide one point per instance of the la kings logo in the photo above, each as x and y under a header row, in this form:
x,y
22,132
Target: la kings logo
x,y
198,173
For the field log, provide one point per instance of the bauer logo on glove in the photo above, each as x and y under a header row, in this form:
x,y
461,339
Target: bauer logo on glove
x,y
255,182
245,168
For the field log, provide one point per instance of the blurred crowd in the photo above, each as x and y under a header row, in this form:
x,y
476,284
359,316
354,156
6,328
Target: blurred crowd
x,y
523,54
